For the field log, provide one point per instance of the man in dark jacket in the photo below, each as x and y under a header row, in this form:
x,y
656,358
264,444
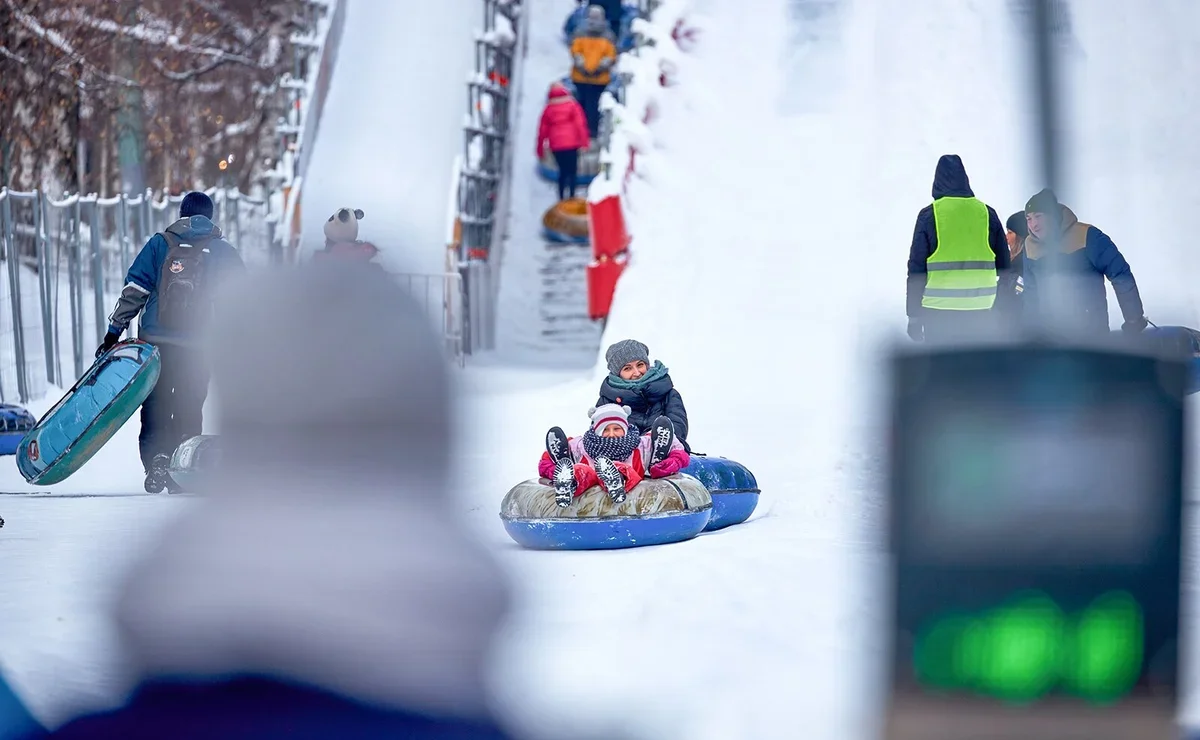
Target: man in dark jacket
x,y
648,391
958,264
170,284
1085,257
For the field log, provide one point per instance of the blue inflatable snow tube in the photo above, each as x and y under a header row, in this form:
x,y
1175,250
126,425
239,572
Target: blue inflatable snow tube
x,y
579,15
89,414
15,423
655,512
733,488
1185,339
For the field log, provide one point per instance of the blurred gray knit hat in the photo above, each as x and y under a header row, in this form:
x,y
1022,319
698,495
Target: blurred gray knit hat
x,y
624,352
595,13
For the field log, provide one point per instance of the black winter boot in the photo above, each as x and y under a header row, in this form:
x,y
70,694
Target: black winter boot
x,y
158,476
662,436
557,446
564,484
610,478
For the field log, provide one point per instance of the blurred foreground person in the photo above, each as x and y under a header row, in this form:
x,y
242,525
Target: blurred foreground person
x,y
958,263
325,590
1085,256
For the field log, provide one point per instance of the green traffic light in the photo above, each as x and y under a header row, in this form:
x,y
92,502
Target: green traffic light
x,y
1030,647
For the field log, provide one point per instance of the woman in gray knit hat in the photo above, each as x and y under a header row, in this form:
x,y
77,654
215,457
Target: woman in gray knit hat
x,y
645,388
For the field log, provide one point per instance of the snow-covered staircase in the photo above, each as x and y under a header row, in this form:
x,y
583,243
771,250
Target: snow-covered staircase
x,y
542,304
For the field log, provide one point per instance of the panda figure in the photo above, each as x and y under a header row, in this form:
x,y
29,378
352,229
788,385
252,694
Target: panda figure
x,y
341,238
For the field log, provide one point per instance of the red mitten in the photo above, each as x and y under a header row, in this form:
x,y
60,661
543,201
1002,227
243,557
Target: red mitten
x,y
624,470
585,478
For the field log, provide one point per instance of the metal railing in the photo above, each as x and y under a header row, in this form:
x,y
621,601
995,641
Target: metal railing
x,y
480,197
64,265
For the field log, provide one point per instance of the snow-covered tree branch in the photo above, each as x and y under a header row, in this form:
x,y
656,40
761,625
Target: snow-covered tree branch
x,y
181,85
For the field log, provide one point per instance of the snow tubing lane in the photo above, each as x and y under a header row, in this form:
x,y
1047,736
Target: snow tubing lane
x,y
194,460
90,413
656,512
15,423
589,167
733,488
566,222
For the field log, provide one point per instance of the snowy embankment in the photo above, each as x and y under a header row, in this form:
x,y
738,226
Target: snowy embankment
x,y
391,123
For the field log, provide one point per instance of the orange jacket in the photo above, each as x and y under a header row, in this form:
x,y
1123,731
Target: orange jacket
x,y
593,50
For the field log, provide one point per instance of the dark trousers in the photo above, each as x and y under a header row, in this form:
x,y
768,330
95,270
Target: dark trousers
x,y
568,170
589,99
174,410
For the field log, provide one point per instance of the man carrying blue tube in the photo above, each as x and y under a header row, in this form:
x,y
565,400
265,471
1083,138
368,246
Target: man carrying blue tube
x,y
171,285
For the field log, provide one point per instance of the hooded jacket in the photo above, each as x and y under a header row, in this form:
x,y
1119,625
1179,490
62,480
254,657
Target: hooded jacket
x,y
593,53
140,294
950,180
563,124
325,587
1088,257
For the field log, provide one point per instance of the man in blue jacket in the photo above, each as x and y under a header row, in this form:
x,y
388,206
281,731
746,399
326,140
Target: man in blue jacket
x,y
1085,256
170,284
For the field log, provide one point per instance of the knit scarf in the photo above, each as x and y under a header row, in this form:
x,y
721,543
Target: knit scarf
x,y
617,449
655,373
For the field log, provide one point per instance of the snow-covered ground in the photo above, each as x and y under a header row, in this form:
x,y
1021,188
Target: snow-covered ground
x,y
392,125
771,232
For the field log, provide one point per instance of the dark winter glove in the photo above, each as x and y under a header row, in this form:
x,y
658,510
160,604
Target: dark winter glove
x,y
110,341
916,331
1135,326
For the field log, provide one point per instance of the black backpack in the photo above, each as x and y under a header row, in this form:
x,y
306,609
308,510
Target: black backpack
x,y
183,300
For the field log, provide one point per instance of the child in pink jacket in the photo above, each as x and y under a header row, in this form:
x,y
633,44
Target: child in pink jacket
x,y
611,453
564,128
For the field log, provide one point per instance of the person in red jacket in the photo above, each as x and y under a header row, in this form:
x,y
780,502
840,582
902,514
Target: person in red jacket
x,y
564,128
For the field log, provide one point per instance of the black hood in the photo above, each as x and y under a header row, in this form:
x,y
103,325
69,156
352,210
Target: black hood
x,y
950,178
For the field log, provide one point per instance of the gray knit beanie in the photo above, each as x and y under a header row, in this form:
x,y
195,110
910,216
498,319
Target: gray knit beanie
x,y
595,13
624,352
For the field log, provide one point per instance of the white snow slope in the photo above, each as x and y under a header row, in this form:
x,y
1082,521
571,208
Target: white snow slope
x,y
391,126
768,263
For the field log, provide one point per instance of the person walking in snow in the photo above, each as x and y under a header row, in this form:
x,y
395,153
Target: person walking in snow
x,y
646,389
612,453
958,263
341,238
171,284
593,55
1017,231
1085,257
563,127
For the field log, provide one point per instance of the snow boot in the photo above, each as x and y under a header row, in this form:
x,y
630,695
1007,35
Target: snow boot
x,y
662,436
564,484
557,446
610,478
157,476
559,450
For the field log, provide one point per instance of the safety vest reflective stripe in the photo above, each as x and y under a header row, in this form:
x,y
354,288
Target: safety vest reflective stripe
x,y
973,265
959,292
962,270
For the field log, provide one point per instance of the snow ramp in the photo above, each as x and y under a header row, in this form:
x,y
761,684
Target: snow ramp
x,y
391,123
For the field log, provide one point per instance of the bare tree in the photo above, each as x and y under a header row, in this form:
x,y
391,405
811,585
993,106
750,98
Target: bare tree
x,y
175,86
